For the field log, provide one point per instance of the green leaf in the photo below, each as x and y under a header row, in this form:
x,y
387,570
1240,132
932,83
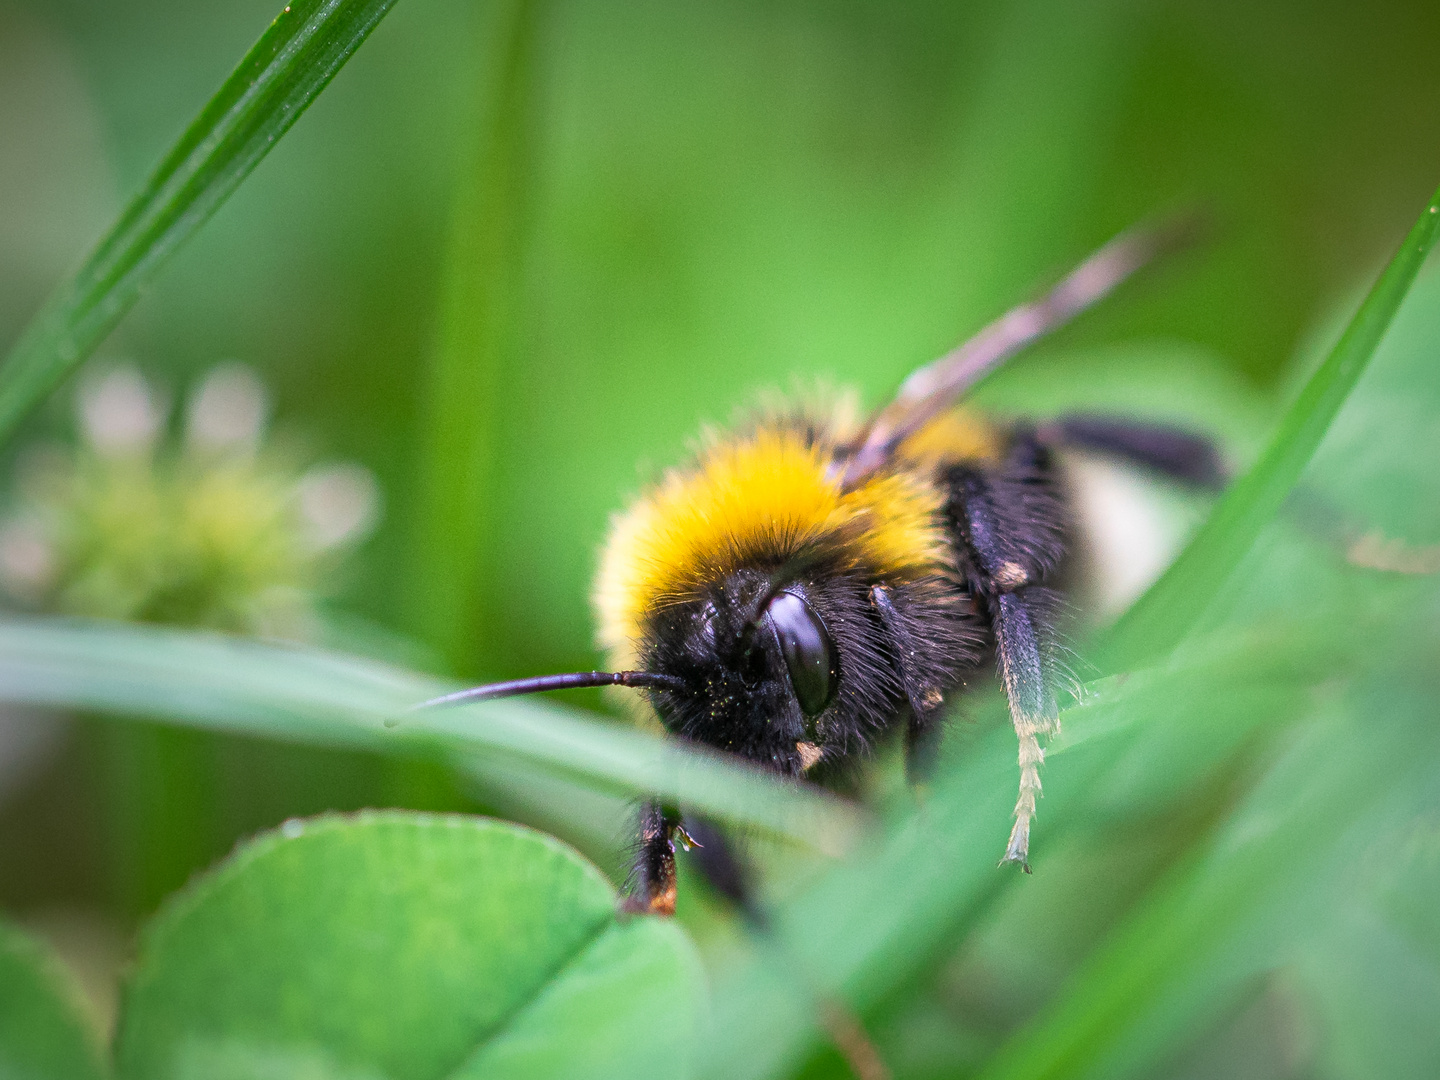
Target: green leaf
x,y
276,81
1377,462
1336,829
312,696
43,1033
1175,603
613,1004
410,947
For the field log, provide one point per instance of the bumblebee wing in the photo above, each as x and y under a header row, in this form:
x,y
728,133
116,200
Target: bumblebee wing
x,y
934,387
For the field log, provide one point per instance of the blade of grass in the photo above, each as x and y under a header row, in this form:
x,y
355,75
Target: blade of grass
x,y
1175,603
475,345
306,695
276,81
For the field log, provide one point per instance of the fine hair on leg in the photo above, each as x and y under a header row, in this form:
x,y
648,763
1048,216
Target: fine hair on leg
x,y
1011,524
1020,631
651,888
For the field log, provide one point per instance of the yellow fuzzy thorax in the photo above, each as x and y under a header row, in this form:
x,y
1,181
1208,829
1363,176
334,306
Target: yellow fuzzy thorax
x,y
771,494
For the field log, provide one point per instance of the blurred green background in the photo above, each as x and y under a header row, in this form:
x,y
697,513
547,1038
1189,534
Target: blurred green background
x,y
519,252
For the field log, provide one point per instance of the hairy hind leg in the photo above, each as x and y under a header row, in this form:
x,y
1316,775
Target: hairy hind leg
x,y
1011,524
1020,631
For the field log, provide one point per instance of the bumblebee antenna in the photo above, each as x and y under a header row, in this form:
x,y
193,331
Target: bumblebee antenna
x,y
577,680
931,389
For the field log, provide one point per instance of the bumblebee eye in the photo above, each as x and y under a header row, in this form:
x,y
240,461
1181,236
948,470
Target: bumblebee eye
x,y
808,651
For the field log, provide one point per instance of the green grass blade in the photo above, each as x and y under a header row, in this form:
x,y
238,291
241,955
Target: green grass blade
x,y
475,346
323,698
1172,606
276,81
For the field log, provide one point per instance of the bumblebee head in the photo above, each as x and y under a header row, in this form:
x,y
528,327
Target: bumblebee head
x,y
785,672
752,666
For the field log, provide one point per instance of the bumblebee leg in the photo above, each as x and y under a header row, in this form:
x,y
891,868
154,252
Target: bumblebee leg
x,y
1171,451
715,856
1011,525
922,735
651,889
1019,647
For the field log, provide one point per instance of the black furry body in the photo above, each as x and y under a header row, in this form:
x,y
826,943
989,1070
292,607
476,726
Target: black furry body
x,y
904,647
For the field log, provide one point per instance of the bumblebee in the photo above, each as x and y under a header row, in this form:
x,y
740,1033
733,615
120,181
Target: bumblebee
x,y
809,584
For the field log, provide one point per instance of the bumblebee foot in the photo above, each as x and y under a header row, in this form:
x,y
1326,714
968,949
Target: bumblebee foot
x,y
1018,850
661,902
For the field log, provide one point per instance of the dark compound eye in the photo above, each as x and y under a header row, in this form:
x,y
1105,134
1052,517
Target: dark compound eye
x,y
808,651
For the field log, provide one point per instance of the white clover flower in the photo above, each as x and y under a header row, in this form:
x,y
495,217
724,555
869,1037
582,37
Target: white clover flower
x,y
214,530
